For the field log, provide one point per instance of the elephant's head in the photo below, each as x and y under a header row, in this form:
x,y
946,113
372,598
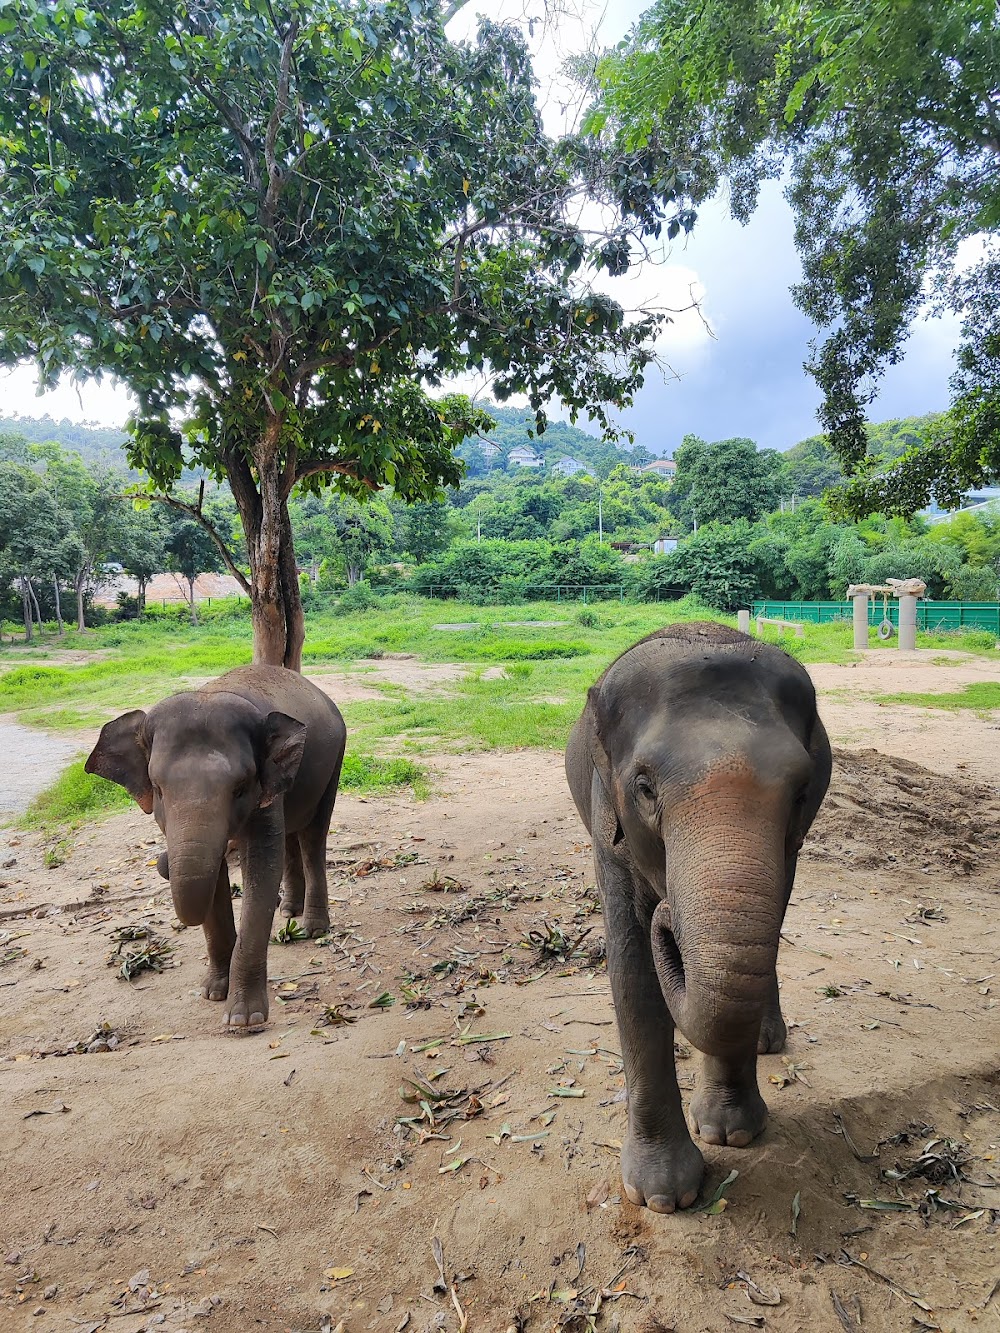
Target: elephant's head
x,y
715,770
201,764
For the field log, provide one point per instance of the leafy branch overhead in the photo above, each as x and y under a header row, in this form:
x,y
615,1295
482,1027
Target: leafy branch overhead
x,y
885,117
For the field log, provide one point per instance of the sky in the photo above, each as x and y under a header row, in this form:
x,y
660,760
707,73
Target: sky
x,y
737,366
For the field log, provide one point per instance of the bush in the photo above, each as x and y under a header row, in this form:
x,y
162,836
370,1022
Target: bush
x,y
358,598
715,564
127,607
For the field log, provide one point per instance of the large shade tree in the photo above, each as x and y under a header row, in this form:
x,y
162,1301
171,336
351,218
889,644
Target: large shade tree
x,y
284,226
886,116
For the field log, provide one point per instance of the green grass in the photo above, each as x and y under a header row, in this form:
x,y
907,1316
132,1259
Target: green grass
x,y
983,695
364,773
74,797
547,667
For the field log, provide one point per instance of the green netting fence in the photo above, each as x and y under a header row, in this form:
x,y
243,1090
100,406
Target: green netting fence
x,y
930,615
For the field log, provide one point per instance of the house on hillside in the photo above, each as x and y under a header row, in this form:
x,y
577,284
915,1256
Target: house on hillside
x,y
571,467
489,450
524,456
664,544
663,467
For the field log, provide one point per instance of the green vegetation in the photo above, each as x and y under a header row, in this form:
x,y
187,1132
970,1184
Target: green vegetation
x,y
983,696
74,797
365,773
884,115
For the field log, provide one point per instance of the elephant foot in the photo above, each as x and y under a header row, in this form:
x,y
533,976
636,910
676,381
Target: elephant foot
x,y
773,1034
316,925
215,983
291,910
247,1007
661,1176
728,1116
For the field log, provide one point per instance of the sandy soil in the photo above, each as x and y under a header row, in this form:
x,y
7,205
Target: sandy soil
x,y
292,1180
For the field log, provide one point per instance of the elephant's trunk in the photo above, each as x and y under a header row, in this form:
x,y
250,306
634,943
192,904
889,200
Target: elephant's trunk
x,y
715,936
194,857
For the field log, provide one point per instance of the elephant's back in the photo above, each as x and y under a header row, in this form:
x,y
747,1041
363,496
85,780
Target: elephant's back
x,y
276,689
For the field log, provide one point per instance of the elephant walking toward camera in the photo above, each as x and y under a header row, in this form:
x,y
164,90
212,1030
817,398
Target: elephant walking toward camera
x,y
252,758
698,766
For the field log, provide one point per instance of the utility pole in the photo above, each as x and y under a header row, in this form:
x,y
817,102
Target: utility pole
x,y
600,515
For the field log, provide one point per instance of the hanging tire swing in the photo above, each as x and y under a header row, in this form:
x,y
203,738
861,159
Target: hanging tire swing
x,y
886,630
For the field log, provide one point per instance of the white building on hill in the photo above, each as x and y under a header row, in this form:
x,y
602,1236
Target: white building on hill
x,y
524,456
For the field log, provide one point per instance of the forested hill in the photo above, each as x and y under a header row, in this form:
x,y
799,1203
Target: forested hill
x,y
91,442
516,425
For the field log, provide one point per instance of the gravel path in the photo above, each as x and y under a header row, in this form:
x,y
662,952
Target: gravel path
x,y
29,761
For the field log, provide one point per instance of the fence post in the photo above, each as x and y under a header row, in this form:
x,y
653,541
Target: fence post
x,y
743,621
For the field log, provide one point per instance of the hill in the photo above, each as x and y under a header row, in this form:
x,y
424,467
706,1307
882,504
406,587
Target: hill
x,y
92,442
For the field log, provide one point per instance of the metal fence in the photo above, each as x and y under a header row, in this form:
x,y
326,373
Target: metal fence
x,y
930,615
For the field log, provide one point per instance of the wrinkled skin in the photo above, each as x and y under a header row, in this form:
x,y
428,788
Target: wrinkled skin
x,y
698,766
251,760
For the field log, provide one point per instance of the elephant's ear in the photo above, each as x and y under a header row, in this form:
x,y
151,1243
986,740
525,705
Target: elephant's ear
x,y
122,755
284,741
600,757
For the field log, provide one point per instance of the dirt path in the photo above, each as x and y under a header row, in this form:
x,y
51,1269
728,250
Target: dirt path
x,y
31,760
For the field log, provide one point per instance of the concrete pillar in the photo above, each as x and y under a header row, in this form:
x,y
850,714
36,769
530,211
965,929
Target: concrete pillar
x,y
743,621
860,600
907,621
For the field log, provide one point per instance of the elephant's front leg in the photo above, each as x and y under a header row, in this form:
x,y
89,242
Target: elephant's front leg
x,y
220,936
262,847
661,1167
728,1108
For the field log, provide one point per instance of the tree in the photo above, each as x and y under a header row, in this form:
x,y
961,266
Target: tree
x,y
284,227
36,541
720,483
428,528
93,501
715,564
190,551
142,548
886,115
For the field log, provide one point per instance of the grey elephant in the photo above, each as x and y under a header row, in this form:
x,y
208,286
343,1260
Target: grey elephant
x,y
697,766
254,758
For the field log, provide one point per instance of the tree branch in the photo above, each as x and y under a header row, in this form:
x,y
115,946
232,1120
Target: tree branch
x,y
194,512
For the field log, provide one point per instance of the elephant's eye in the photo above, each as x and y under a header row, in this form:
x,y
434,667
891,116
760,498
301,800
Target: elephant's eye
x,y
644,788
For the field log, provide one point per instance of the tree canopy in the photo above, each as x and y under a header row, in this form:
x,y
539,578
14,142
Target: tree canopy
x,y
285,227
886,117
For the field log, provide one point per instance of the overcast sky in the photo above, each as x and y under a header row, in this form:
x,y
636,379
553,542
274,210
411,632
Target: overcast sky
x,y
747,379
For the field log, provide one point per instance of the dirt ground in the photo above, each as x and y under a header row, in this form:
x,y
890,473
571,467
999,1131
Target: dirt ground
x,y
301,1179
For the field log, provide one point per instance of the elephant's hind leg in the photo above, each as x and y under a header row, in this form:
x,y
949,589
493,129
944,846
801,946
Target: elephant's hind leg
x,y
312,843
293,884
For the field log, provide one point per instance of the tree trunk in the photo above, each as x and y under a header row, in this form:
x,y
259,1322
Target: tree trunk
x,y
194,612
80,583
141,596
276,600
34,603
353,574
26,610
59,619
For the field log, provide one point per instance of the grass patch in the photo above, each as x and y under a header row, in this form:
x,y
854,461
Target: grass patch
x,y
982,695
365,773
75,796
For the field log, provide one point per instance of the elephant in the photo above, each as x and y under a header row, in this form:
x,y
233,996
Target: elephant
x,y
254,758
698,764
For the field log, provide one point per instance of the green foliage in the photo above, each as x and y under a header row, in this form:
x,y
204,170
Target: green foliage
x,y
715,565
885,115
723,482
75,796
